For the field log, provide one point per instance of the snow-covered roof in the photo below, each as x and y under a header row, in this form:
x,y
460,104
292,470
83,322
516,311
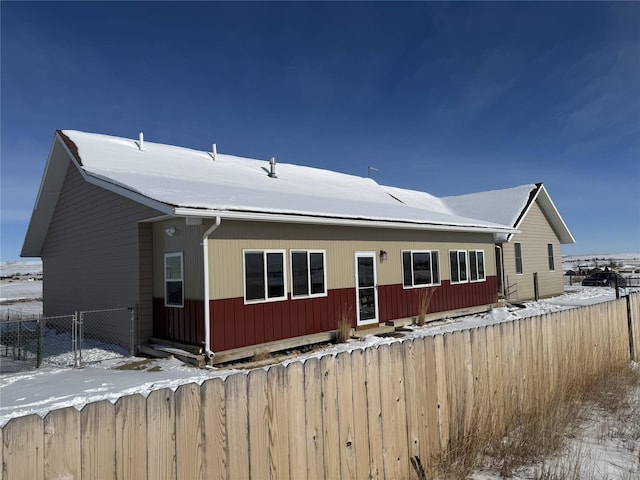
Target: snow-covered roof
x,y
499,206
186,182
508,206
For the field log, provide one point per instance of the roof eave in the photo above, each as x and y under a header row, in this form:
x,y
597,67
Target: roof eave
x,y
337,221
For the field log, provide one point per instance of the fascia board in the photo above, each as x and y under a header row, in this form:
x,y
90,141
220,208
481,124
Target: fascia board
x,y
312,220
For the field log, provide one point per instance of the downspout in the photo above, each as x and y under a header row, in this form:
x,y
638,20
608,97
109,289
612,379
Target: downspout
x,y
499,247
207,313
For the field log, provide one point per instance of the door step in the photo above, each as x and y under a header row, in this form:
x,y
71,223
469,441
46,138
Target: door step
x,y
379,330
166,351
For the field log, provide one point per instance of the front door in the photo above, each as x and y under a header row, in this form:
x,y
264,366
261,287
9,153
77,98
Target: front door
x,y
366,288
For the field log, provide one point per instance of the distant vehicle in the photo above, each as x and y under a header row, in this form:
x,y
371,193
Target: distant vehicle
x,y
604,279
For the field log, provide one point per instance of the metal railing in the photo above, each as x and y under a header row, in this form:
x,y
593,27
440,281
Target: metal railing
x,y
74,340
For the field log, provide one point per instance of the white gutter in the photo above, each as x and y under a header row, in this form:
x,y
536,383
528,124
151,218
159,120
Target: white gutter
x,y
356,222
207,312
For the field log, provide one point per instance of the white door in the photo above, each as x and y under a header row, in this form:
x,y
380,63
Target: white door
x,y
366,288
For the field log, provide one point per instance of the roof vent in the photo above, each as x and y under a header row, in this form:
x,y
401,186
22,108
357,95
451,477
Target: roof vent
x,y
214,151
141,142
272,170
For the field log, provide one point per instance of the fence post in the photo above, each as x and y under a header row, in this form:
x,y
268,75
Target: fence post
x,y
74,338
615,279
536,292
132,312
41,330
632,353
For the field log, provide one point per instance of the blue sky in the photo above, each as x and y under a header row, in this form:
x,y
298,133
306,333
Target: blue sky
x,y
449,98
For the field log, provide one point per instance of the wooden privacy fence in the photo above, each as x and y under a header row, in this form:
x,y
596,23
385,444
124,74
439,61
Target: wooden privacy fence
x,y
361,414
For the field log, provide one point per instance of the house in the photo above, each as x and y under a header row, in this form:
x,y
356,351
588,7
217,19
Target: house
x,y
227,252
529,262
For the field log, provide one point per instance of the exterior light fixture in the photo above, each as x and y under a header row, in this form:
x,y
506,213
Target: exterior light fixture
x,y
383,255
171,231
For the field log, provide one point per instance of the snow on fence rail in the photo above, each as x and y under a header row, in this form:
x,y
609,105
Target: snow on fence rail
x,y
368,413
67,340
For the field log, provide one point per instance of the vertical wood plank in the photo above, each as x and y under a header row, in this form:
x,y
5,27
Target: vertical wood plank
x,y
214,435
161,434
296,417
361,432
345,416
443,398
23,440
394,420
98,433
188,432
411,392
237,426
313,418
62,444
131,437
258,424
431,405
278,423
374,413
331,433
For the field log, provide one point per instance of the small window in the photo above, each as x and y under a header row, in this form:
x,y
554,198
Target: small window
x,y
264,278
420,268
476,265
173,281
517,248
308,273
552,265
458,265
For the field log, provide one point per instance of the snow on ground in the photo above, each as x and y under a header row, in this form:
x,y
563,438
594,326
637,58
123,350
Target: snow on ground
x,y
20,289
39,391
602,445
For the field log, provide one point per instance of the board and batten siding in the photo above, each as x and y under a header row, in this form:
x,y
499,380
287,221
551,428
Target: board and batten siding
x,y
95,252
536,233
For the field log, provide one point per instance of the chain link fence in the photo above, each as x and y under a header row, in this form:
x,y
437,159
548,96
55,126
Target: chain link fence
x,y
69,340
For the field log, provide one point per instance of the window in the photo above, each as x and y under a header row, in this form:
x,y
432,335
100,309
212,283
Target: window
x,y
458,264
264,278
476,265
420,268
173,283
308,273
550,254
517,248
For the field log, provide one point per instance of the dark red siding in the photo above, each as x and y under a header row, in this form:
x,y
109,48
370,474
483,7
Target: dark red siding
x,y
234,324
180,324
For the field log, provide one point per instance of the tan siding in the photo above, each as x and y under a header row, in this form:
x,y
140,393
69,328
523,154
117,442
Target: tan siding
x,y
188,240
536,233
90,256
228,241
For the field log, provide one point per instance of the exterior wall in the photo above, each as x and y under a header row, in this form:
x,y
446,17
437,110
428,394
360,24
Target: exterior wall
x,y
234,324
90,255
341,243
536,233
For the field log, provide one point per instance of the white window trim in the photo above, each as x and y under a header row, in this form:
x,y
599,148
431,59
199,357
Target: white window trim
x,y
466,256
324,272
264,252
484,265
551,257
181,280
425,285
515,261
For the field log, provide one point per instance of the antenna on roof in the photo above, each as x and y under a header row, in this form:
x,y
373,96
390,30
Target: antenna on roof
x,y
214,151
141,142
371,169
272,164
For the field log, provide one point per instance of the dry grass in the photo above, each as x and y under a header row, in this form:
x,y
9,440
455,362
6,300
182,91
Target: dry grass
x,y
343,332
532,436
424,301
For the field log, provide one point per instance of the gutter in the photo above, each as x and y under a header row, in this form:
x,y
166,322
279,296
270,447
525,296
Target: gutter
x,y
207,312
335,221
